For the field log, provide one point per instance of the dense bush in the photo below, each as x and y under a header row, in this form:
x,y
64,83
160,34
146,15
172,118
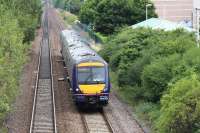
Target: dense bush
x,y
157,76
11,57
108,15
192,59
181,107
148,58
18,20
128,38
148,64
136,69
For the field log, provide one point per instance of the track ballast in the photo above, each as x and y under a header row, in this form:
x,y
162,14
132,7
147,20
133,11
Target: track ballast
x,y
43,113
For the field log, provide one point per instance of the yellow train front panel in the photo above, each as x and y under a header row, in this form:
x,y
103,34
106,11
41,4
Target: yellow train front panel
x,y
92,88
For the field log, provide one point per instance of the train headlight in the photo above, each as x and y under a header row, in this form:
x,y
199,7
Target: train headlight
x,y
77,89
105,89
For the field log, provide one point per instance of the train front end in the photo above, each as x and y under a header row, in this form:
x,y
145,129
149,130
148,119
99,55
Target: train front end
x,y
92,83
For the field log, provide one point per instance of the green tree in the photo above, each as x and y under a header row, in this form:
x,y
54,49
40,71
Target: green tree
x,y
88,11
73,6
108,15
60,3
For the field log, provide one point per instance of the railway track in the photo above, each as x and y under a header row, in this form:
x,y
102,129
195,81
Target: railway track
x,y
96,122
93,122
43,112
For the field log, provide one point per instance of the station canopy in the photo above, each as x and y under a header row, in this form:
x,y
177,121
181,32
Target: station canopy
x,y
157,23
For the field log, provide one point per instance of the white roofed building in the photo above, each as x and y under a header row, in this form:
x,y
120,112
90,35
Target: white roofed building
x,y
181,11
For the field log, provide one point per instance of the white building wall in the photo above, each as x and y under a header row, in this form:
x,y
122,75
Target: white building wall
x,y
174,10
196,4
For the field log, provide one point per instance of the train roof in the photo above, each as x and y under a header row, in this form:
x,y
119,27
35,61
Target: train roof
x,y
79,50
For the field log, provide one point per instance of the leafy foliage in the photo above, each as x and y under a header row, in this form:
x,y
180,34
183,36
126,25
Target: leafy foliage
x,y
157,75
88,11
27,14
19,19
108,15
192,59
181,107
148,64
74,6
148,58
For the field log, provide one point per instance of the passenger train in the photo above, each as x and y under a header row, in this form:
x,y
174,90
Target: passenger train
x,y
87,71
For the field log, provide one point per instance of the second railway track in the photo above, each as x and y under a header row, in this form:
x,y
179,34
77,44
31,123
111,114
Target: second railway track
x,y
43,113
96,122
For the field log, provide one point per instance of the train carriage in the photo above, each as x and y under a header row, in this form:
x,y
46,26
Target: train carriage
x,y
87,71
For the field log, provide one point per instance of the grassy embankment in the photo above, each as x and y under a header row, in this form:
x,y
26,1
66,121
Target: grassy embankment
x,y
18,23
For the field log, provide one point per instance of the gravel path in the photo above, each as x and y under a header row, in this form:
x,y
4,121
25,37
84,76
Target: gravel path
x,y
119,116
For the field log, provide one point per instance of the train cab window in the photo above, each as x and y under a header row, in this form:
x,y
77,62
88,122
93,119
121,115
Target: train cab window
x,y
91,75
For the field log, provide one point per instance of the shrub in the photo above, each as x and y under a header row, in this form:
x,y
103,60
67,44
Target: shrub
x,y
181,107
136,69
122,75
12,57
132,50
147,64
157,76
18,19
192,59
129,43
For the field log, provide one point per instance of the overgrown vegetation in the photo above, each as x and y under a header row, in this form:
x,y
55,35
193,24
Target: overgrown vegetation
x,y
18,20
180,107
106,16
158,71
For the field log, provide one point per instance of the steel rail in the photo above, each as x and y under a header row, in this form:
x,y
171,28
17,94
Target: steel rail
x,y
105,118
45,18
52,85
107,121
85,123
36,84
